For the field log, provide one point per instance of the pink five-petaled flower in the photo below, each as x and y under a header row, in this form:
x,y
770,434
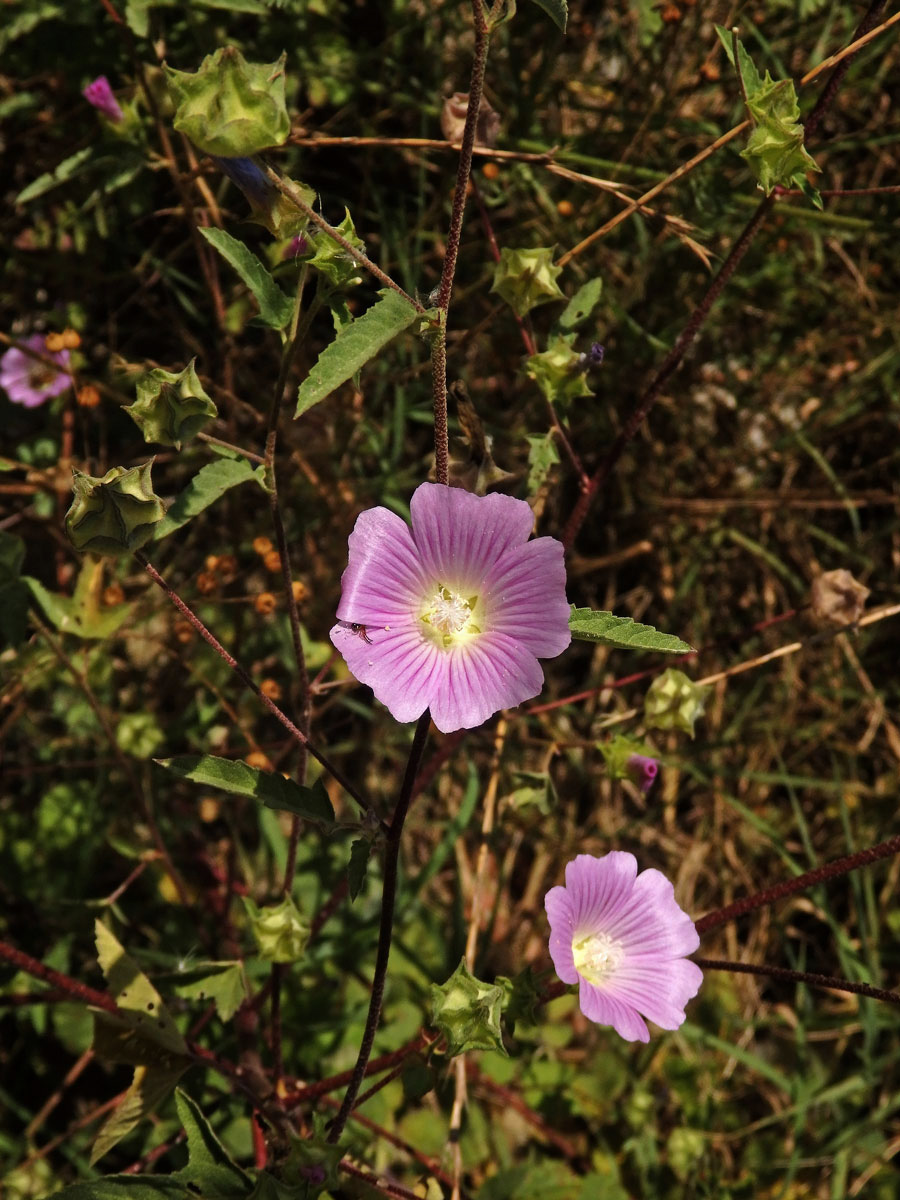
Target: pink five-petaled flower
x,y
453,614
622,938
29,381
100,95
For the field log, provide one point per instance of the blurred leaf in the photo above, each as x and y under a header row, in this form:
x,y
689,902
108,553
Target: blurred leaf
x,y
81,614
595,625
124,1187
74,165
149,1086
210,482
275,308
581,305
239,779
556,10
356,868
210,1173
354,346
223,983
542,455
13,592
140,1004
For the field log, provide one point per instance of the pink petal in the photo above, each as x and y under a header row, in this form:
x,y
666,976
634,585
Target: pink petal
x,y
459,535
562,929
383,582
598,887
477,679
659,991
525,596
399,666
600,1005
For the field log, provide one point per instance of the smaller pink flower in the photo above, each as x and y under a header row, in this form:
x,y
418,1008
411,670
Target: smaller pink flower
x,y
622,938
100,95
29,381
643,770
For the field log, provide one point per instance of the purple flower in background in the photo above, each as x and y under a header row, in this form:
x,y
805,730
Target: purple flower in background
x,y
622,938
453,614
643,770
100,95
29,381
247,175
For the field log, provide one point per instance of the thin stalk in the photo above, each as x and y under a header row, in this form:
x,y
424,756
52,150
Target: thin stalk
x,y
809,977
247,681
445,287
386,926
789,887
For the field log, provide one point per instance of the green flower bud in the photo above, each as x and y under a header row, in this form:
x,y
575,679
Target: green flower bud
x,y
115,514
231,107
331,260
280,931
171,408
674,702
618,751
526,278
467,1012
559,371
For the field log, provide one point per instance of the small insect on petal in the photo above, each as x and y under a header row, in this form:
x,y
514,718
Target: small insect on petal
x,y
359,630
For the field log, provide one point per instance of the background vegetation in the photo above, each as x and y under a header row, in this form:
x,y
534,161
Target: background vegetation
x,y
770,456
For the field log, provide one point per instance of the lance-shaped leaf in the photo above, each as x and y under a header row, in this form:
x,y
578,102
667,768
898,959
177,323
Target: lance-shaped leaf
x,y
556,10
360,850
84,613
210,1172
354,346
581,305
595,625
275,308
210,482
239,779
149,1087
141,1009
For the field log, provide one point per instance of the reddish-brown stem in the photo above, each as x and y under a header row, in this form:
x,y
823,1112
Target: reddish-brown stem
x,y
65,983
386,1061
789,887
247,681
809,977
511,1099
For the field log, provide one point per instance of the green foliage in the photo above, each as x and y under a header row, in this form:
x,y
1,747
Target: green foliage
x,y
275,308
582,305
542,457
230,107
590,625
775,150
558,371
208,485
336,267
222,982
527,278
116,513
13,591
239,779
210,1172
82,614
674,702
171,406
467,1012
618,750
556,10
355,345
360,851
279,930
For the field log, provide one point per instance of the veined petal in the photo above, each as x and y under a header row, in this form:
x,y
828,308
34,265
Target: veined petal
x,y
562,928
475,680
525,596
383,583
599,1004
658,991
400,667
459,536
598,887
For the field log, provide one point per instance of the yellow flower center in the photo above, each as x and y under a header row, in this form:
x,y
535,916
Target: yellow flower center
x,y
597,956
450,618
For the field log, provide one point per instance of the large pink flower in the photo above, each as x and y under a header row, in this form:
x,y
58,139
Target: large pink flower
x,y
29,381
453,614
622,938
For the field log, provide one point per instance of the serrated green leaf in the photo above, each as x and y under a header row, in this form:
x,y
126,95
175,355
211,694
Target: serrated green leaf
x,y
223,983
581,305
74,165
149,1087
594,625
82,613
210,1172
356,868
354,346
275,308
140,1004
556,10
239,779
210,482
542,455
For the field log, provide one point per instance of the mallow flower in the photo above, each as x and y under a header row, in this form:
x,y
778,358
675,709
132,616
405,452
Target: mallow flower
x,y
622,938
453,613
99,94
30,381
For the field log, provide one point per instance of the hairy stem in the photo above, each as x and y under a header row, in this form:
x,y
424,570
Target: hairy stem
x,y
386,926
814,980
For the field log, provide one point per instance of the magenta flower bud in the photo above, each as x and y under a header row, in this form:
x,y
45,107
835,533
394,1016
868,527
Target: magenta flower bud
x,y
298,245
29,381
642,770
100,95
622,938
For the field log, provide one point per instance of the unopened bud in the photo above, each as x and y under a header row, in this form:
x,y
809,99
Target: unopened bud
x,y
114,514
171,407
